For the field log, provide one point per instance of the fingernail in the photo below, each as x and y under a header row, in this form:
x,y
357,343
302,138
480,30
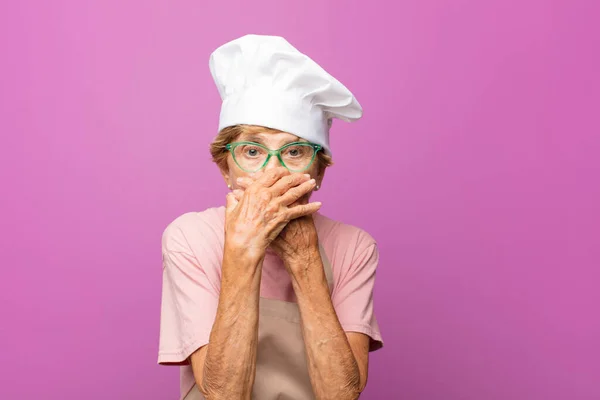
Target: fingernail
x,y
238,180
312,181
307,176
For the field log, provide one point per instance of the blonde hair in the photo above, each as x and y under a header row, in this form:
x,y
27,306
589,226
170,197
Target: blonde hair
x,y
230,134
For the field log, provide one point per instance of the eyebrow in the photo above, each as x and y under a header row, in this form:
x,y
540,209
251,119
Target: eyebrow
x,y
259,139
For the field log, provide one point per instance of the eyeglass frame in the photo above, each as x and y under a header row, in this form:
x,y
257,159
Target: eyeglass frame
x,y
231,148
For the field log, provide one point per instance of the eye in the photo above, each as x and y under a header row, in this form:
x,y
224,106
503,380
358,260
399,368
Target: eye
x,y
296,151
251,151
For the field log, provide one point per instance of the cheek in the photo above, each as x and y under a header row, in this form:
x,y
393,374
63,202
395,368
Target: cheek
x,y
235,172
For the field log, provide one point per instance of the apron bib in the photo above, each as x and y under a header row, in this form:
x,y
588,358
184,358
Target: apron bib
x,y
281,369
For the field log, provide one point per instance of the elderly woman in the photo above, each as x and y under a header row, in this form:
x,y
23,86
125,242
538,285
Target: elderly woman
x,y
266,298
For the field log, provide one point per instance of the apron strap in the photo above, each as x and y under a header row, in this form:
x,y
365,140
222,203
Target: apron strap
x,y
326,267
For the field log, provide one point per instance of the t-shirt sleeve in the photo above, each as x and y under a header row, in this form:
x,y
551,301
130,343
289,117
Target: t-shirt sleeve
x,y
189,299
353,296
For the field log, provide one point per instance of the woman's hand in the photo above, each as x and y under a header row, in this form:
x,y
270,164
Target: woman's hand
x,y
297,243
255,216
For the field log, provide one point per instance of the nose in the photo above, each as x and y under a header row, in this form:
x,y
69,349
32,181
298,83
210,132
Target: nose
x,y
273,163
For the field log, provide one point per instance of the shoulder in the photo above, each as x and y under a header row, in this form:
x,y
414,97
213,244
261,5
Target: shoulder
x,y
192,228
343,238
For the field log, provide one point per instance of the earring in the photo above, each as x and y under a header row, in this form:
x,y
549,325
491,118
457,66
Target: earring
x,y
317,187
229,186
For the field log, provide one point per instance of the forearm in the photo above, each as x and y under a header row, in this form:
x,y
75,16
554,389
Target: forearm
x,y
332,367
230,364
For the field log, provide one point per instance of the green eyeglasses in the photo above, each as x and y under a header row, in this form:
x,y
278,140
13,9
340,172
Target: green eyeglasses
x,y
252,157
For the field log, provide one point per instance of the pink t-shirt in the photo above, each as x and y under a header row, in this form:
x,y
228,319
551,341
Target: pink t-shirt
x,y
192,249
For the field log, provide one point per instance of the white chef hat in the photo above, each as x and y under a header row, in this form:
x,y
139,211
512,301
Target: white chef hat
x,y
264,80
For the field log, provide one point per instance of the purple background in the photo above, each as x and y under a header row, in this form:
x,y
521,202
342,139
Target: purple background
x,y
476,167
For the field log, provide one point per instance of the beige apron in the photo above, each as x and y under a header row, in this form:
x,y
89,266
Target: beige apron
x,y
281,369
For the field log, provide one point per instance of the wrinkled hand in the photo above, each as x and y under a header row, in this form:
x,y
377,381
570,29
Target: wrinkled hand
x,y
256,216
297,244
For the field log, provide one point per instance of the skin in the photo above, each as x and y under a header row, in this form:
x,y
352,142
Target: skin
x,y
271,209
